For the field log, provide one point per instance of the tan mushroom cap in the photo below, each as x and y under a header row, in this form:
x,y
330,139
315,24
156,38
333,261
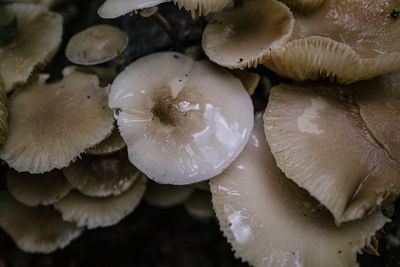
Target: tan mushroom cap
x,y
344,41
202,7
179,125
246,36
3,112
38,37
35,230
269,221
51,124
111,144
321,142
199,205
102,176
106,75
95,212
97,44
166,196
37,189
111,9
303,5
250,80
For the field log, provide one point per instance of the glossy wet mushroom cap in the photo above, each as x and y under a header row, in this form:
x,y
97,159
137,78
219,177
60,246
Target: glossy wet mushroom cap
x,y
35,230
94,212
111,9
321,142
270,221
52,124
97,44
179,126
246,36
37,189
38,36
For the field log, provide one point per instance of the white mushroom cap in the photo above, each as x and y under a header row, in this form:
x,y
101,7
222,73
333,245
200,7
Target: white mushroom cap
x,y
202,7
97,44
38,36
166,196
35,230
179,125
246,36
51,124
321,142
37,189
269,221
102,176
95,212
111,9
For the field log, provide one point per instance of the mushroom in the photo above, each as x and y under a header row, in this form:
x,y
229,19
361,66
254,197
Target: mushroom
x,y
202,7
102,176
246,36
179,126
106,75
37,38
35,230
166,196
3,112
111,144
94,212
250,80
97,44
324,140
303,6
199,206
344,41
270,221
52,124
37,189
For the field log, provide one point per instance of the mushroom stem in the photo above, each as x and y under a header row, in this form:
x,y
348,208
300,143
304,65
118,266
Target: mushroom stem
x,y
119,63
176,42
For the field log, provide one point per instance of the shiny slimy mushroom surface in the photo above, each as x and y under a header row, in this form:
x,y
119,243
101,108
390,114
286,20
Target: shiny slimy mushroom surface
x,y
35,229
97,44
94,212
51,124
270,221
37,39
245,36
322,143
115,8
37,189
344,41
180,125
102,176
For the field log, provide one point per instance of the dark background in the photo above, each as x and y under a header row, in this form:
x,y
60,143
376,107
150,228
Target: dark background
x,y
152,236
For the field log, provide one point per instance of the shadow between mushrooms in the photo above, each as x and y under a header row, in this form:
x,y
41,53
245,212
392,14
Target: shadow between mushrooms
x,y
52,124
330,141
3,112
37,39
344,41
270,221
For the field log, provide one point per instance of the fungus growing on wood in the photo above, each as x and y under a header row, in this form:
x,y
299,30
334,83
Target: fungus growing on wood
x,y
97,44
51,124
324,140
35,230
36,40
246,36
37,189
179,126
270,221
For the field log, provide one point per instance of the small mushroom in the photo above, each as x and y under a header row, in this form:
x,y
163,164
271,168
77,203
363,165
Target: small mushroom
x,y
94,212
35,230
250,80
322,142
3,112
179,125
102,176
37,189
270,221
52,124
37,39
166,196
246,36
97,44
340,34
111,144
202,7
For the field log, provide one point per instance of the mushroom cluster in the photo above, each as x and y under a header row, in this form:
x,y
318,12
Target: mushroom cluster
x,y
300,179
